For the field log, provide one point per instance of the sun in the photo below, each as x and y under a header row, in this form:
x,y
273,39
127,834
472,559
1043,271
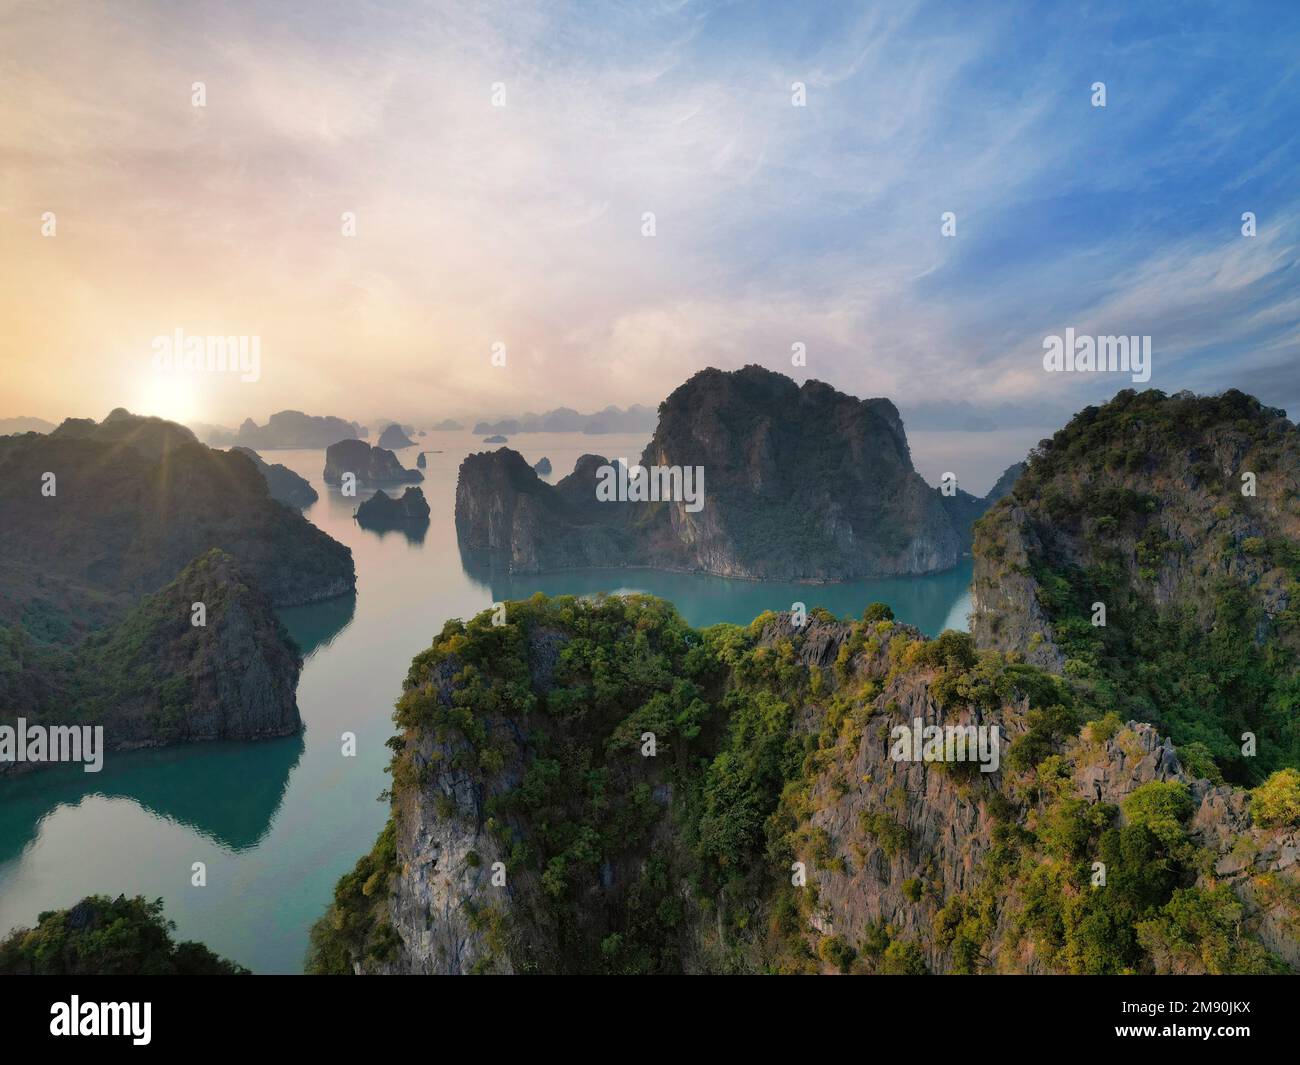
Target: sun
x,y
173,396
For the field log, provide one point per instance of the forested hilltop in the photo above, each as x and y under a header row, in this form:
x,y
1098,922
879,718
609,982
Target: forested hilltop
x,y
100,936
114,531
531,831
1151,553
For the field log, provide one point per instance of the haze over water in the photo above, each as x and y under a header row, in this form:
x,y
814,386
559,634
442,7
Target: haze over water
x,y
277,822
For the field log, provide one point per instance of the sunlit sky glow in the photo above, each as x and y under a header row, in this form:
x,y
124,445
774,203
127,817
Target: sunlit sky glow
x,y
522,224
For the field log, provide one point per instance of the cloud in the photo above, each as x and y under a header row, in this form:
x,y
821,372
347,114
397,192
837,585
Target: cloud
x,y
523,224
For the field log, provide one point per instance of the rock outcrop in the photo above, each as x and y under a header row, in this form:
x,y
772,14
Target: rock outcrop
x,y
542,467
161,679
504,510
294,429
393,438
800,483
204,658
382,509
965,509
284,485
1151,550
369,465
106,937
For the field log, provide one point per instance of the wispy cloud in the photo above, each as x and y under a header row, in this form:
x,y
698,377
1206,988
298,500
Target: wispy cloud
x,y
523,224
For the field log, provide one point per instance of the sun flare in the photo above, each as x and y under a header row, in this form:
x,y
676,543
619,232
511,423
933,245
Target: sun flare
x,y
164,395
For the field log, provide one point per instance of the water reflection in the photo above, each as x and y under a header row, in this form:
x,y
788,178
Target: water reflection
x,y
932,603
226,791
317,624
414,529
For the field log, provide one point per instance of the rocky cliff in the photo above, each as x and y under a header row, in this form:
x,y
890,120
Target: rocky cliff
x,y
284,485
157,678
799,483
1151,551
505,511
594,787
393,438
370,465
965,509
154,677
383,509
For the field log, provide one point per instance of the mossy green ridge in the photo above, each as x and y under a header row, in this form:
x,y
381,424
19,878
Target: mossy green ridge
x,y
101,936
1180,516
771,830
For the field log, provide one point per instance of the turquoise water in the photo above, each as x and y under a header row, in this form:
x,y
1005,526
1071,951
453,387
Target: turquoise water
x,y
277,822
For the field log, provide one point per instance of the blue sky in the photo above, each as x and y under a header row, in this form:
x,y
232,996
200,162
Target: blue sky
x,y
775,224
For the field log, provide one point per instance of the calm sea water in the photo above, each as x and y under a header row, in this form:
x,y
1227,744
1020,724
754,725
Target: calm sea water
x,y
277,822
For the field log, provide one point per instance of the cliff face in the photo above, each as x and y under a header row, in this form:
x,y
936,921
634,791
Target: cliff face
x,y
503,509
1005,611
965,509
774,828
1152,551
135,500
370,465
284,485
154,678
293,428
800,483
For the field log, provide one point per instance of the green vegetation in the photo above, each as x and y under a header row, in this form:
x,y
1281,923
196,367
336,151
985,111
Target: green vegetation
x,y
1144,494
356,923
108,937
137,676
624,863
903,959
1205,690
1099,895
1277,801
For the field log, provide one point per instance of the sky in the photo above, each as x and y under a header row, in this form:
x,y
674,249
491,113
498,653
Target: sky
x,y
521,229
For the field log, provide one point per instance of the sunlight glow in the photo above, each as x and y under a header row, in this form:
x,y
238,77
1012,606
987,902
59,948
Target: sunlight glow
x,y
166,395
